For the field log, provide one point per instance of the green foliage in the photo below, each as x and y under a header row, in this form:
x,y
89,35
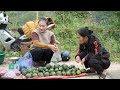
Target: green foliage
x,y
101,21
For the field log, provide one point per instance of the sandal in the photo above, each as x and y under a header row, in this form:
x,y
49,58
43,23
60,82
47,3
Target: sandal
x,y
102,76
90,71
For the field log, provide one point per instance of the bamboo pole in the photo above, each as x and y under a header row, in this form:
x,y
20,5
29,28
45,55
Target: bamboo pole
x,y
37,14
93,30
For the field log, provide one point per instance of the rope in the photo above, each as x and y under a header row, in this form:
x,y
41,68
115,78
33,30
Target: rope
x,y
78,29
93,30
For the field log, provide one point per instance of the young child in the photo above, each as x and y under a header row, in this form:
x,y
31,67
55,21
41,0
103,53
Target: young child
x,y
91,53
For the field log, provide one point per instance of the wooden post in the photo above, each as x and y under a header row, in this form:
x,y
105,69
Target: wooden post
x,y
37,12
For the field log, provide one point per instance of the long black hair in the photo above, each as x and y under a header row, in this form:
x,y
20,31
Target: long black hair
x,y
84,32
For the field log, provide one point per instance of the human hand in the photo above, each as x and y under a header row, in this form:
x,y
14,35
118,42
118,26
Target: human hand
x,y
56,47
77,59
53,48
83,60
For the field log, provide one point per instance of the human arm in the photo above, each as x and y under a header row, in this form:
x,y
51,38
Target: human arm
x,y
36,42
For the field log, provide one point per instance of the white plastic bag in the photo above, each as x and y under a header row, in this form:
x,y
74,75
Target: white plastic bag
x,y
9,74
56,57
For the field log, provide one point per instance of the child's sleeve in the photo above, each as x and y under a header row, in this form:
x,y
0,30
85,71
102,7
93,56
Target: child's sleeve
x,y
36,42
53,39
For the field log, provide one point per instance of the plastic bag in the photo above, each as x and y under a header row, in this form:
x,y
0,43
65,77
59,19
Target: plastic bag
x,y
27,55
9,74
2,72
25,61
56,57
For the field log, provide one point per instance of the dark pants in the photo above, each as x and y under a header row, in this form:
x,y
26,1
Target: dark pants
x,y
98,65
20,30
40,54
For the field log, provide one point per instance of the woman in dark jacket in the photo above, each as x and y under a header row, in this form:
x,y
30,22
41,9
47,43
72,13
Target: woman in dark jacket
x,y
91,53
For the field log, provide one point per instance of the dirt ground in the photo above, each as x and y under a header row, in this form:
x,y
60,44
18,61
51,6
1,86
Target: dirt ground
x,y
113,72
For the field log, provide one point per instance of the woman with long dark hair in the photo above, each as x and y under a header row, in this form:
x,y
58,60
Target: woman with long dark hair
x,y
91,53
